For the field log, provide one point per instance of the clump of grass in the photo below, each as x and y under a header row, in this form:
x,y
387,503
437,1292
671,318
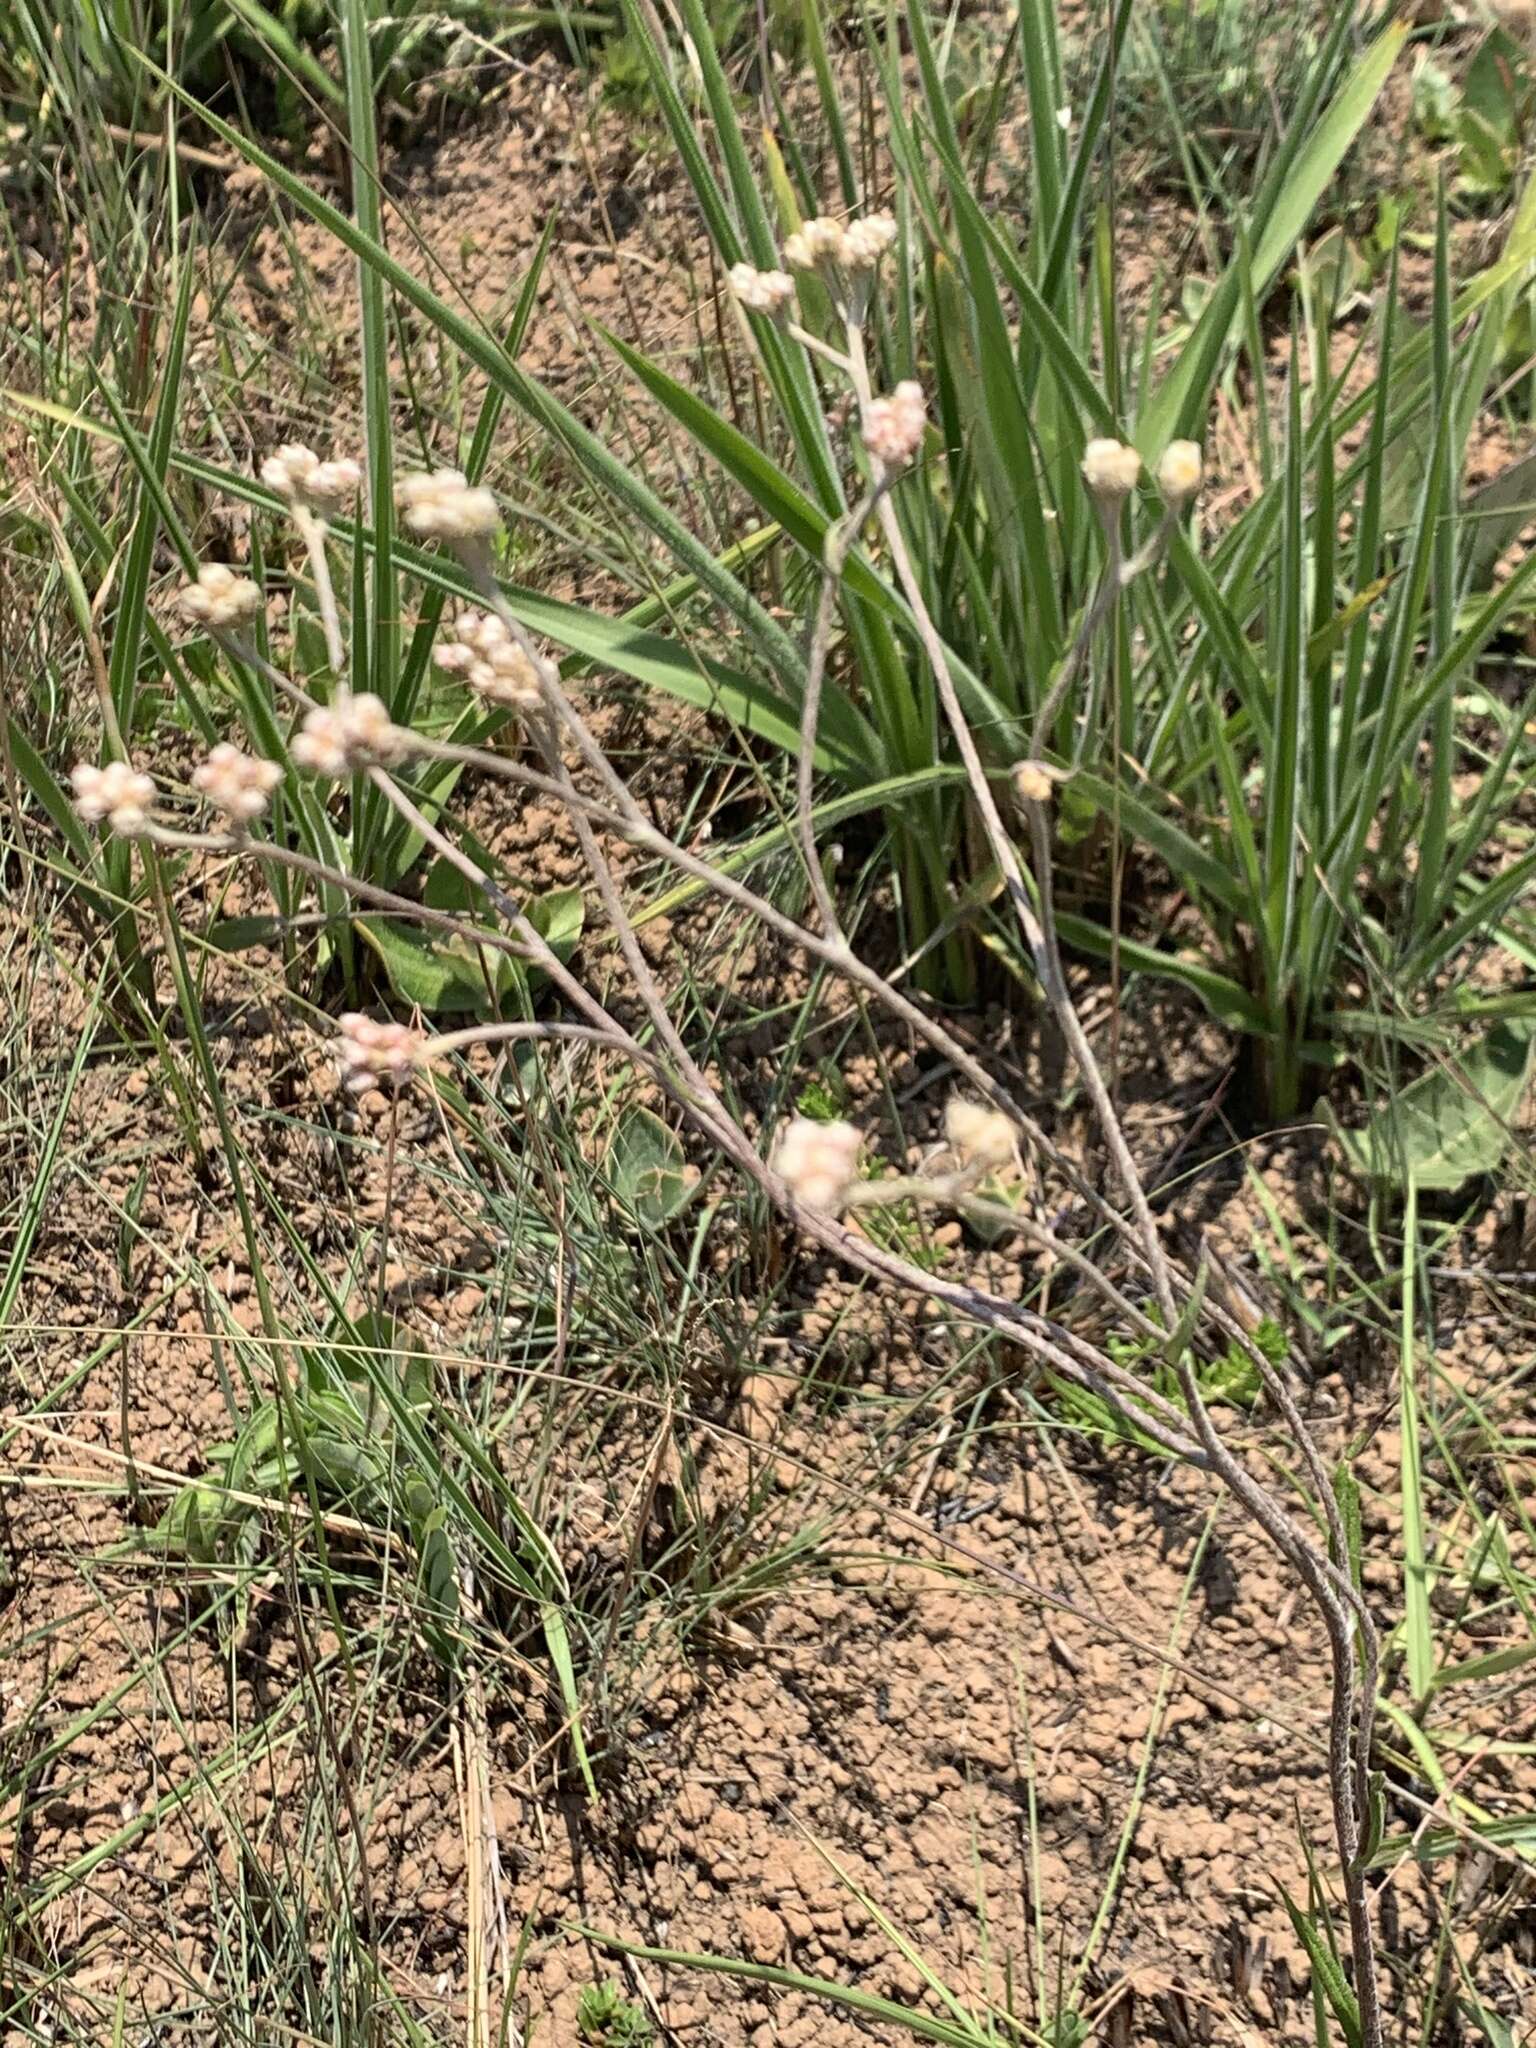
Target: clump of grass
x,y
607,2019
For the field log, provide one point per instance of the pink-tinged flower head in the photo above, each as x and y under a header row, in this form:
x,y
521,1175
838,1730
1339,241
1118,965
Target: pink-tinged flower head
x,y
866,241
288,471
763,291
354,733
1181,471
445,505
1110,469
893,427
369,1052
220,598
297,474
979,1136
117,795
238,784
818,1161
819,244
484,652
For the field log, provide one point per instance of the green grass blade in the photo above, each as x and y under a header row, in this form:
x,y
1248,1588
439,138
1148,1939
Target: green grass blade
x,y
865,2004
1291,195
128,632
1418,1627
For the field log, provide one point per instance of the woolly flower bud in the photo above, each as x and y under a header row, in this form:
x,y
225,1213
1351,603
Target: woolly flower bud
x,y
762,291
117,794
819,245
893,427
1110,469
484,652
866,241
1035,781
297,474
818,1162
235,783
977,1136
288,471
219,598
338,739
335,484
446,506
1181,471
368,1052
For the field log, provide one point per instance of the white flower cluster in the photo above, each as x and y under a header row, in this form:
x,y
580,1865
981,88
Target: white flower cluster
x,y
1181,471
893,427
353,733
446,506
490,661
827,246
762,291
818,1162
368,1052
220,598
297,474
117,794
1110,469
238,784
844,257
978,1136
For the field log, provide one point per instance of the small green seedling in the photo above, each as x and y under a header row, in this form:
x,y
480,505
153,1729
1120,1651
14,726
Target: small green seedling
x,y
607,2019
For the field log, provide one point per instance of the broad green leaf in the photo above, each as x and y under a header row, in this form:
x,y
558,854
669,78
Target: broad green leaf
x,y
1495,2029
1228,1003
758,474
647,1168
238,934
1495,514
277,40
1451,1123
44,786
558,917
1497,87
1473,1670
441,974
1184,855
437,974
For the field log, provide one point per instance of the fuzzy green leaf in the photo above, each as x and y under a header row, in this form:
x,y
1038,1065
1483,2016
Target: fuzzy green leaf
x,y
1451,1123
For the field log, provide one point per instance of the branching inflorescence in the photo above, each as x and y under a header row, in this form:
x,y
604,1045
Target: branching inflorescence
x,y
812,1170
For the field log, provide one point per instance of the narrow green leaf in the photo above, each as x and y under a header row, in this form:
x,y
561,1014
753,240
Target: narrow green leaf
x,y
1284,211
1418,1627
1327,1970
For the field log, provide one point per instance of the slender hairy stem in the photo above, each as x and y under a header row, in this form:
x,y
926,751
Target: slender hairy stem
x,y
834,557
312,531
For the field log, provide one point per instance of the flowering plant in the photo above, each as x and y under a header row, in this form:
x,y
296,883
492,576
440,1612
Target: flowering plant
x,y
812,1173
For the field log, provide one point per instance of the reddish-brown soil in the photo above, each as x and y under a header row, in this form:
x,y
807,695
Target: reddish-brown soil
x,y
1000,1670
